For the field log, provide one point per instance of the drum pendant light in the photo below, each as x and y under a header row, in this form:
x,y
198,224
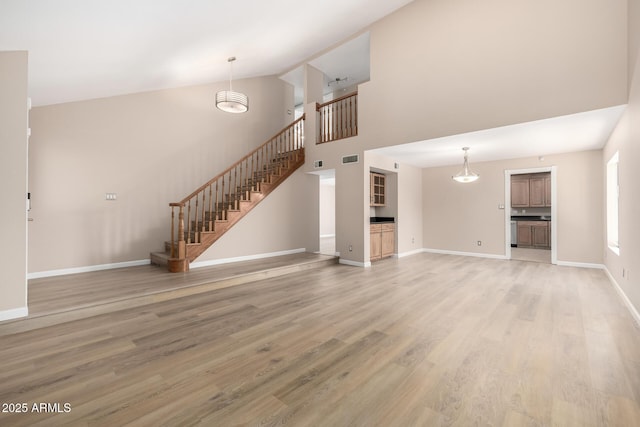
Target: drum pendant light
x,y
230,101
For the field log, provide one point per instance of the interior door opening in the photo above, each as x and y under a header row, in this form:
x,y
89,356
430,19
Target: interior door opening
x,y
530,215
327,215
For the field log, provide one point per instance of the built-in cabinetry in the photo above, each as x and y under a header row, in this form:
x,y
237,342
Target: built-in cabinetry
x,y
534,234
531,190
377,189
382,240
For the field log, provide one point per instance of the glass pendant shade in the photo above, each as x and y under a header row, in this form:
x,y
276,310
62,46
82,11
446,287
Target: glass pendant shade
x,y
230,101
466,174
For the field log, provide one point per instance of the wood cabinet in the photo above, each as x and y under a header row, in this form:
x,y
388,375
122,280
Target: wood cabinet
x,y
531,190
519,192
377,189
534,234
547,190
536,192
382,240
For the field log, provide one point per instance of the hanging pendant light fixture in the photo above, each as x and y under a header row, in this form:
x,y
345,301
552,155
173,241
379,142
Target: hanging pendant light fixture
x,y
466,174
230,101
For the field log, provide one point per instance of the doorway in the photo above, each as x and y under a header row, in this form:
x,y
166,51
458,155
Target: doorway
x,y
327,214
530,214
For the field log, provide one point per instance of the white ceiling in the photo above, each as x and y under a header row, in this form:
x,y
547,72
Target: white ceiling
x,y
576,132
348,62
83,49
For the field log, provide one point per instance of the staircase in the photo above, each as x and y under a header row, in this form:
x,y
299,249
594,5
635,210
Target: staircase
x,y
201,218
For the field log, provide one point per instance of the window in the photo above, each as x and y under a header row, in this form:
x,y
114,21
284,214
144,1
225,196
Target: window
x,y
613,191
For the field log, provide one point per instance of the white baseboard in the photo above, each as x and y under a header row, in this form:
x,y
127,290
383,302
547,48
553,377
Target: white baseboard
x,y
14,313
580,264
87,269
213,262
627,302
354,263
327,235
473,254
409,253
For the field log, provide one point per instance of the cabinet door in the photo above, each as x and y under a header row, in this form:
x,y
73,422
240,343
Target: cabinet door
x,y
519,193
377,189
547,190
375,242
388,240
524,234
370,189
537,192
540,235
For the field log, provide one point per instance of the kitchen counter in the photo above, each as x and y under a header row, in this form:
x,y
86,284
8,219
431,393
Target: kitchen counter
x,y
530,218
380,219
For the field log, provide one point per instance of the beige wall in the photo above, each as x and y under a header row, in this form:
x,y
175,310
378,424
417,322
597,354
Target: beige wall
x,y
445,67
457,215
626,140
274,225
13,176
151,149
410,209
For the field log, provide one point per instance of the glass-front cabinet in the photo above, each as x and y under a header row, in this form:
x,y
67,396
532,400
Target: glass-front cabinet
x,y
377,189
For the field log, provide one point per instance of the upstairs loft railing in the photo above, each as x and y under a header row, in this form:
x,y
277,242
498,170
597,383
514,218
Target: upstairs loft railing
x,y
212,202
337,118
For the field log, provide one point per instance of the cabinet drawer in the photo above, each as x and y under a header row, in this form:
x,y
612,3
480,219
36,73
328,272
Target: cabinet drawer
x,y
375,228
388,227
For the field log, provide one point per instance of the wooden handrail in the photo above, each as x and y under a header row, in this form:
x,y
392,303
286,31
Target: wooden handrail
x,y
221,174
333,101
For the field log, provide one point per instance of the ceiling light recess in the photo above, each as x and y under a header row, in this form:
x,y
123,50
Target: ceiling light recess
x,y
230,101
466,174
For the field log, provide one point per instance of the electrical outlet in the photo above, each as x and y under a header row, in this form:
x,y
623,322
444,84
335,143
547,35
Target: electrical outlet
x,y
413,240
479,242
350,248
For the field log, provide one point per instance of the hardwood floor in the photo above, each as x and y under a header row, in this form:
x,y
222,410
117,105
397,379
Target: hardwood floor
x,y
424,340
531,254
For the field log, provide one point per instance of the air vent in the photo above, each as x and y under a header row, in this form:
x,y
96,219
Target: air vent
x,y
350,159
317,164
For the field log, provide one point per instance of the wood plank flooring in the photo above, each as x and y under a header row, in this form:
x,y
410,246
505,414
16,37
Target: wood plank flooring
x,y
531,254
433,340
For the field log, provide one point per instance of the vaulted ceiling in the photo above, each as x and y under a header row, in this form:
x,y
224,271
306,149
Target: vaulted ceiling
x,y
83,49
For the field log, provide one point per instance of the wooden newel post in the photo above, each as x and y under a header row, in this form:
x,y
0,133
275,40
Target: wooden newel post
x,y
178,261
